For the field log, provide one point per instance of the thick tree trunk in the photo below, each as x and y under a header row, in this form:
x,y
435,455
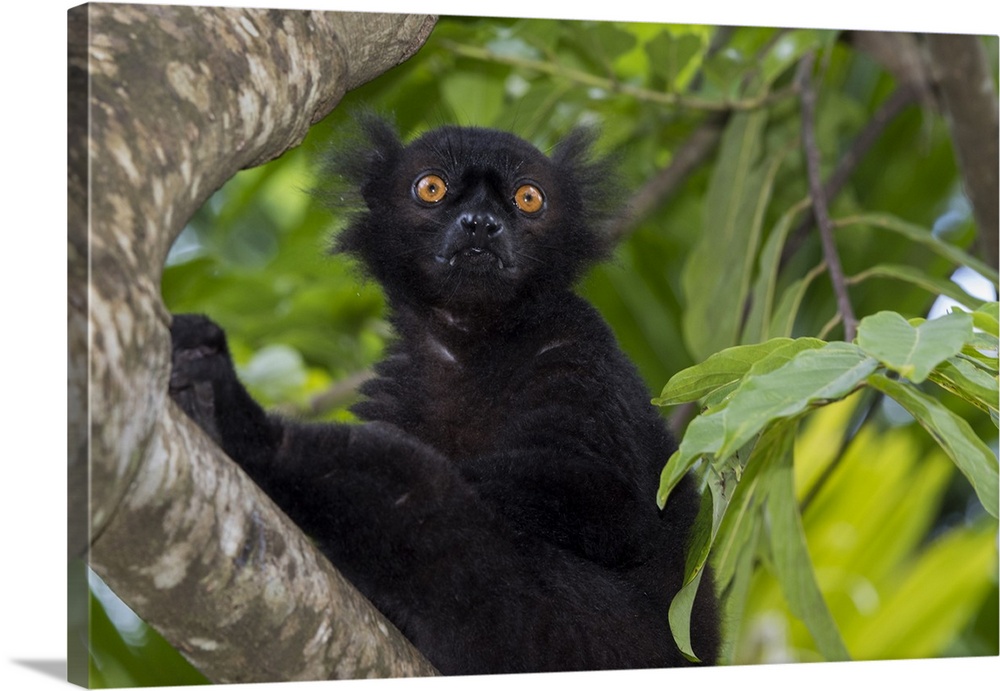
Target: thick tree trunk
x,y
962,74
165,104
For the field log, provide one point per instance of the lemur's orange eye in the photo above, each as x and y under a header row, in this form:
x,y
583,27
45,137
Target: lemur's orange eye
x,y
529,199
430,188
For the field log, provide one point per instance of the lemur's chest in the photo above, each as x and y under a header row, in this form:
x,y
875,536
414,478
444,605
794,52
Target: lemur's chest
x,y
464,400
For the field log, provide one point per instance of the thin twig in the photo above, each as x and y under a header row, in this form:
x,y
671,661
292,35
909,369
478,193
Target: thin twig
x,y
614,86
807,98
901,99
829,326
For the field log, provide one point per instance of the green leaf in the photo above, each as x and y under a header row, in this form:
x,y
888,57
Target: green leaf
x,y
720,369
674,58
924,237
723,479
965,379
913,351
783,321
733,212
736,525
909,274
720,373
705,438
982,350
811,376
768,357
601,41
972,457
785,354
768,267
723,484
987,318
792,564
736,595
679,617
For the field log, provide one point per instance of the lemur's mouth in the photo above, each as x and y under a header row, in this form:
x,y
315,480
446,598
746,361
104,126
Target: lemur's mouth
x,y
473,257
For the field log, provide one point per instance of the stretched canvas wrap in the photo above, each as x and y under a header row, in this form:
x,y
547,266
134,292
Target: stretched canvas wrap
x,y
798,235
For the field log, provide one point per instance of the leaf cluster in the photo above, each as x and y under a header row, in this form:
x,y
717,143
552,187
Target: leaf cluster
x,y
753,398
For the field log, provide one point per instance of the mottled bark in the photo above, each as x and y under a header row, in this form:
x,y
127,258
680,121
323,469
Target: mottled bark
x,y
167,103
969,100
951,72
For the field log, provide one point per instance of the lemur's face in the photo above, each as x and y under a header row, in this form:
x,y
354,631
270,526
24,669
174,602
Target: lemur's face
x,y
467,217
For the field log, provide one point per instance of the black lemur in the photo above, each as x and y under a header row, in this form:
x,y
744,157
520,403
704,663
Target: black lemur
x,y
497,503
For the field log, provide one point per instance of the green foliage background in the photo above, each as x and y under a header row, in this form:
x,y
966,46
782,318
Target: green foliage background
x,y
902,551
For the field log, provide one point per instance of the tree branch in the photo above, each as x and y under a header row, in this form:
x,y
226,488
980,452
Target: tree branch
x,y
167,103
689,156
901,99
962,74
722,105
900,55
807,97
